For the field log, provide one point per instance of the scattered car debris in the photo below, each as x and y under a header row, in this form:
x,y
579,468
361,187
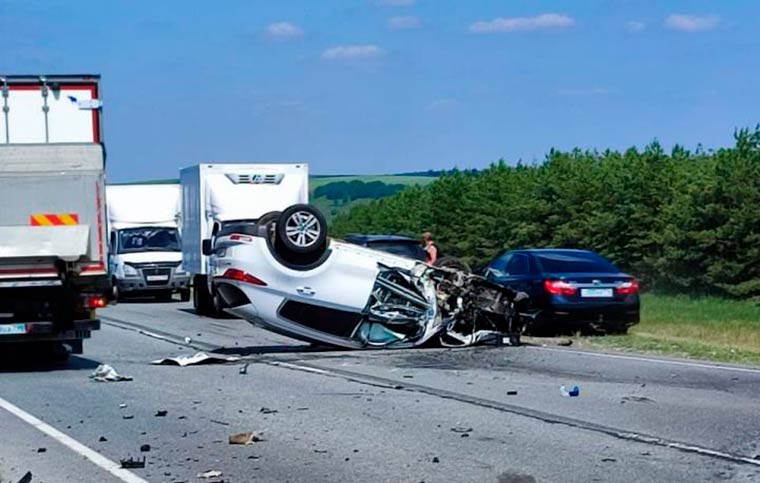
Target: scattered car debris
x,y
122,406
461,430
511,393
574,391
188,340
145,448
641,399
195,359
244,369
27,478
436,459
128,416
210,474
41,450
320,451
609,460
106,373
268,411
132,463
102,439
223,423
244,438
161,413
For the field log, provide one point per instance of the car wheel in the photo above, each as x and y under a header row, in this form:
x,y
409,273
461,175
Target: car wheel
x,y
453,263
302,229
184,295
115,294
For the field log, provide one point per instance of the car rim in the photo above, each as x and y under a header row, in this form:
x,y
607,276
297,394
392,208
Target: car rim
x,y
302,229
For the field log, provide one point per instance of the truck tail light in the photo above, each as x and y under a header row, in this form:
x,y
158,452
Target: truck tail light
x,y
94,301
630,287
241,276
559,287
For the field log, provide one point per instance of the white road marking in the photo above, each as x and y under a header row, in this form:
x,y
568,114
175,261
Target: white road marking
x,y
74,445
700,365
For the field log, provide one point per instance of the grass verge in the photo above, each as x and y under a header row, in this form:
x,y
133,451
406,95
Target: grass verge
x,y
698,328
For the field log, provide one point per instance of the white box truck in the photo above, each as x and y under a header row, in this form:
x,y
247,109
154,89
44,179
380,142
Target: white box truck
x,y
53,267
215,196
146,252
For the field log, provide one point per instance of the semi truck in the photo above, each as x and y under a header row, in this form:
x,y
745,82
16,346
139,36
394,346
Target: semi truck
x,y
146,255
220,197
53,249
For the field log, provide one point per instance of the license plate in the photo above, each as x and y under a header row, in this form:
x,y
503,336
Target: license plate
x,y
157,278
596,292
12,329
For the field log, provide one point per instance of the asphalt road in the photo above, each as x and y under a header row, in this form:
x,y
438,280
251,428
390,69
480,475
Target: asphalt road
x,y
340,416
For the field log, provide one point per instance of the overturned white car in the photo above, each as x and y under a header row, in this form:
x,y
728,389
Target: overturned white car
x,y
284,274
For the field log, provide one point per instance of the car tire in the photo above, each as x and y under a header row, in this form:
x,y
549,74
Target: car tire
x,y
115,293
301,229
453,263
184,294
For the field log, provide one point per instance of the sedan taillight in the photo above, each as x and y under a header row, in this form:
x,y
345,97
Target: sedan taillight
x,y
241,238
630,287
559,287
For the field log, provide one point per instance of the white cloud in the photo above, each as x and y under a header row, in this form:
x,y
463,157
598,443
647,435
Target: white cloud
x,y
635,26
352,52
691,23
284,31
403,23
514,24
396,3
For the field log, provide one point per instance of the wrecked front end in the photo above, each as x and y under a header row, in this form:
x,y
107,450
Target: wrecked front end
x,y
438,306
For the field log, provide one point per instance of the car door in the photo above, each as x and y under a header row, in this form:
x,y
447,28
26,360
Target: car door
x,y
516,272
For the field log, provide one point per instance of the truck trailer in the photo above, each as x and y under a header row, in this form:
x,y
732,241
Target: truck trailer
x,y
146,255
217,196
53,250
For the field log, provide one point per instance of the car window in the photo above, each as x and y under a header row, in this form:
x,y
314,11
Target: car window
x,y
518,264
406,249
499,265
575,263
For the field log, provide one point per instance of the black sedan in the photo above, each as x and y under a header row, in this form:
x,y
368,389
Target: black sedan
x,y
398,245
570,289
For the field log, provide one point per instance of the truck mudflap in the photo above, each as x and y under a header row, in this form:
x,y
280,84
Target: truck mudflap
x,y
46,331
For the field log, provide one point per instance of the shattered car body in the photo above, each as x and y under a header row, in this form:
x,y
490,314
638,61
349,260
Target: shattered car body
x,y
294,281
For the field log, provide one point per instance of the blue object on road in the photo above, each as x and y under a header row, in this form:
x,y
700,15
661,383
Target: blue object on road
x,y
574,391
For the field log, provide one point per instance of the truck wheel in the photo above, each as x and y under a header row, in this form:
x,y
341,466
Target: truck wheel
x,y
184,294
201,298
115,293
302,229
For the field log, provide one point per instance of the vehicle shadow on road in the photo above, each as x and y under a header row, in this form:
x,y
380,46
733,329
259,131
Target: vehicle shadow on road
x,y
29,362
276,349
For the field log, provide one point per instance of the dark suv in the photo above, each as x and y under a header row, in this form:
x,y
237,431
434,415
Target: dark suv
x,y
397,245
570,289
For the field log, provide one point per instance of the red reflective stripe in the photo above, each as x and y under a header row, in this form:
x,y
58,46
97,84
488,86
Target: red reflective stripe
x,y
54,219
100,223
12,271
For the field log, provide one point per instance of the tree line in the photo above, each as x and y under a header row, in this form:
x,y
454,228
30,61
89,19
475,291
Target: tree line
x,y
684,221
356,190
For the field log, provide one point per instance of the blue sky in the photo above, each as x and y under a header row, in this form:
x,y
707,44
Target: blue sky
x,y
386,86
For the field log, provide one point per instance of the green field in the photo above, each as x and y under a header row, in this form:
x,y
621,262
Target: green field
x,y
700,328
330,208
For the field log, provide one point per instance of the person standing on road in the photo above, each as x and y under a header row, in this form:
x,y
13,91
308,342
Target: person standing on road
x,y
431,252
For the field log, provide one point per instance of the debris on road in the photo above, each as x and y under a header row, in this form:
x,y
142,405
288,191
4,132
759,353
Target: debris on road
x,y
122,406
145,448
210,474
436,460
244,369
244,438
188,340
27,478
102,439
195,359
574,391
461,430
223,423
131,463
511,393
268,411
609,460
106,373
161,413
128,416
41,450
641,399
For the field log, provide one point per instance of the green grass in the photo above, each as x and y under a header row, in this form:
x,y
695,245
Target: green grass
x,y
700,328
